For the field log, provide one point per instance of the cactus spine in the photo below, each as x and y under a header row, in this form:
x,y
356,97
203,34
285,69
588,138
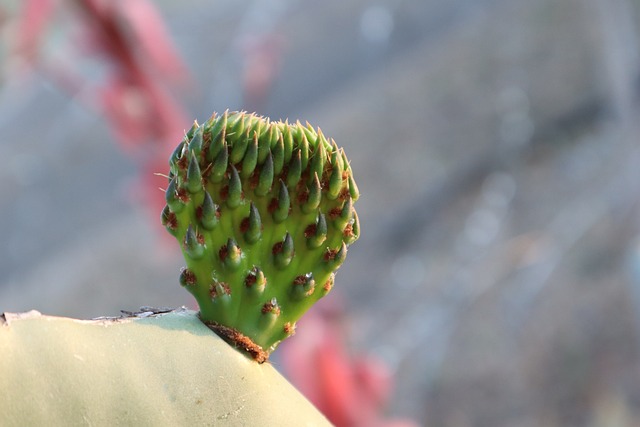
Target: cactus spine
x,y
264,215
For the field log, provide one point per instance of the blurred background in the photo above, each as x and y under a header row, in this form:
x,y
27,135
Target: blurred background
x,y
497,279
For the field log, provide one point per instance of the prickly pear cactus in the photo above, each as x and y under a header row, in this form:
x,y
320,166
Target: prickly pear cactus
x,y
264,214
147,369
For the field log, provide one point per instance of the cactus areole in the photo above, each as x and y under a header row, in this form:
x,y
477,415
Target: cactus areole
x,y
263,212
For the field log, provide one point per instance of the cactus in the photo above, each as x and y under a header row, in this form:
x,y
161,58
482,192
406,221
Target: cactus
x,y
152,368
263,212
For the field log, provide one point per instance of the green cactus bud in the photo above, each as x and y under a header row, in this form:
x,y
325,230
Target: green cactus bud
x,y
239,149
216,133
255,281
219,166
318,159
169,220
236,127
346,213
252,226
353,189
187,278
314,196
352,230
264,214
175,157
308,130
176,198
283,252
220,291
194,177
250,159
267,140
335,258
208,213
280,207
335,181
196,142
316,233
270,313
192,246
278,155
303,286
266,176
295,169
257,126
287,141
304,150
231,254
234,189
192,130
336,155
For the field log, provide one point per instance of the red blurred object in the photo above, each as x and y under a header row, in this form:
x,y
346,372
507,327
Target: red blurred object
x,y
351,391
35,17
135,95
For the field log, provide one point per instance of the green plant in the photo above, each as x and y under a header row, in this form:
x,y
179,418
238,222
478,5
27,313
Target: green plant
x,y
147,369
264,215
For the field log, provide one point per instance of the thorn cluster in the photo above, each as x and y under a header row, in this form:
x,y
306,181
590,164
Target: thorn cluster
x,y
264,214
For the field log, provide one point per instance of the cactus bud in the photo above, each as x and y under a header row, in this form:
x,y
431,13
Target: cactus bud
x,y
283,252
317,161
192,247
265,143
278,156
175,157
234,189
287,141
295,169
230,254
345,216
195,145
335,182
303,286
208,213
280,207
219,166
316,233
194,177
304,150
353,189
239,149
252,226
256,281
187,278
314,197
266,176
264,214
250,158
169,220
270,313
217,134
336,257
352,230
236,127
174,200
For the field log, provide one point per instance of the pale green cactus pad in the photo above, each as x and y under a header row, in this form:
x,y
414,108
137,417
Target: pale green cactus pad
x,y
151,370
264,214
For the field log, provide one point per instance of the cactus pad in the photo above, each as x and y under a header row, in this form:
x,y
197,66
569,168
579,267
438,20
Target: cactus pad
x,y
264,214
